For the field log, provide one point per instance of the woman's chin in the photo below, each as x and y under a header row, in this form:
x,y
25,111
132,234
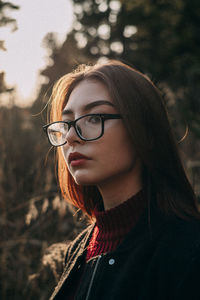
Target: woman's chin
x,y
84,180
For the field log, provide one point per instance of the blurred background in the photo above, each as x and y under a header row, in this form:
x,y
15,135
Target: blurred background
x,y
39,42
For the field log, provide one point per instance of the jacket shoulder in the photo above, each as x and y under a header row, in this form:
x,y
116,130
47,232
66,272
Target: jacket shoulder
x,y
182,239
187,229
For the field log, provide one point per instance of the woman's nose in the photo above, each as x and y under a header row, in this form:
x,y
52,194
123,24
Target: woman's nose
x,y
72,136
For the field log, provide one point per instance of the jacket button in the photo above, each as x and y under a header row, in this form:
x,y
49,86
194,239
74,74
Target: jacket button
x,y
111,261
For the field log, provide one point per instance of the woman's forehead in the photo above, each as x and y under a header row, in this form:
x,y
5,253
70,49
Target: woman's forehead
x,y
86,95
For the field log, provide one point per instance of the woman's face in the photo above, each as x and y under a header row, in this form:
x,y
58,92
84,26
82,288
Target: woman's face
x,y
108,158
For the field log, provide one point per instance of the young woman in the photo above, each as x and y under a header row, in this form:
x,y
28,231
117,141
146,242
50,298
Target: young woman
x,y
118,162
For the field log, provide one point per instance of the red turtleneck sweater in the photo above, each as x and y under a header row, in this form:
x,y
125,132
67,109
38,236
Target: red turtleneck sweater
x,y
113,225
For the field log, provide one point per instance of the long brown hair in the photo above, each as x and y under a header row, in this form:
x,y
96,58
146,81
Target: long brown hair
x,y
145,118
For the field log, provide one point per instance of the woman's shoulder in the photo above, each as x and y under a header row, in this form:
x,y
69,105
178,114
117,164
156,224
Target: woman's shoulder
x,y
187,228
181,238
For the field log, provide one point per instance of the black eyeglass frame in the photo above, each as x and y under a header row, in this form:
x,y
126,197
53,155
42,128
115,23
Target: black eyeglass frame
x,y
70,124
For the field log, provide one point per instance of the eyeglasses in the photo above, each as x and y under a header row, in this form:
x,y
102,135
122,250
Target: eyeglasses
x,y
89,127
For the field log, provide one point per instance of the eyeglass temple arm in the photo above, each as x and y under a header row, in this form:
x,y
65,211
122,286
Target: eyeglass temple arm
x,y
112,116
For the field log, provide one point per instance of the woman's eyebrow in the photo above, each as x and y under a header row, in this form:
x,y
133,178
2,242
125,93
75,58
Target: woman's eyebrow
x,y
89,106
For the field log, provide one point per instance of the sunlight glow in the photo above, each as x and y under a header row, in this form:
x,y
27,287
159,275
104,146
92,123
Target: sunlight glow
x,y
25,55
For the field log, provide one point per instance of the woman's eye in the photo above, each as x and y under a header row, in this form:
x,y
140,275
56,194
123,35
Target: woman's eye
x,y
94,119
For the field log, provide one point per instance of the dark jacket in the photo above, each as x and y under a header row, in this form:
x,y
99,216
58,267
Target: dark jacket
x,y
158,260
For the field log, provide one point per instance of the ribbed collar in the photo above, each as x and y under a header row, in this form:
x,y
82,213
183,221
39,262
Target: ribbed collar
x,y
117,221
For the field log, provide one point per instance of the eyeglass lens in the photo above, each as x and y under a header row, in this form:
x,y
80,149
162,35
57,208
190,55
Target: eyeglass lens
x,y
88,127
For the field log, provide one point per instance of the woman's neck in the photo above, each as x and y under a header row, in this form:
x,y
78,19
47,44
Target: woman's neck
x,y
117,190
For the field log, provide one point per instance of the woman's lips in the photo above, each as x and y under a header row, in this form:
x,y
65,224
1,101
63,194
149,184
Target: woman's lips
x,y
77,159
78,162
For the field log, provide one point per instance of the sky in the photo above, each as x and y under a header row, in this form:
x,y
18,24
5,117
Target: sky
x,y
25,55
